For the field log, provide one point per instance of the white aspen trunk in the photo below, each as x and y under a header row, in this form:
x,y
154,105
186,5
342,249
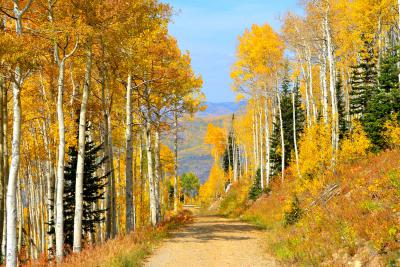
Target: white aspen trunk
x,y
324,84
49,186
267,144
2,174
246,163
282,136
77,242
11,254
257,139
235,163
296,152
59,224
129,153
254,141
308,113
11,249
176,163
310,86
261,149
6,169
20,215
149,150
332,79
157,177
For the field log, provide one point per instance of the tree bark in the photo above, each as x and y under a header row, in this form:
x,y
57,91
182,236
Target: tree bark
x,y
77,242
282,137
149,150
296,152
157,177
11,256
267,144
332,87
176,162
129,152
324,84
59,225
2,176
261,148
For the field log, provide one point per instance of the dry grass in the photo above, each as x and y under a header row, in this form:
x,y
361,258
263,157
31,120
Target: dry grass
x,y
125,250
363,215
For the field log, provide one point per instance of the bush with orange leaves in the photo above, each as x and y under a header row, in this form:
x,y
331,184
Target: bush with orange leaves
x,y
125,250
350,214
392,133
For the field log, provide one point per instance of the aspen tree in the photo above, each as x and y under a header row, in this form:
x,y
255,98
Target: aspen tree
x,y
18,80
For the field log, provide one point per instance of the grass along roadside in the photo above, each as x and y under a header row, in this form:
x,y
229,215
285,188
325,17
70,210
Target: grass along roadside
x,y
126,250
357,225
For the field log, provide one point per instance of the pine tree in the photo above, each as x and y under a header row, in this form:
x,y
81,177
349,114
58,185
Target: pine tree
x,y
363,80
93,189
385,102
342,114
231,151
287,118
256,190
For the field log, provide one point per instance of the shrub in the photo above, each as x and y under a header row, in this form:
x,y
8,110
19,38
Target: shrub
x,y
293,215
256,190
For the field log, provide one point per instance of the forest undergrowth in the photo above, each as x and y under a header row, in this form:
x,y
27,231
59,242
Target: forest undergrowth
x,y
125,250
350,216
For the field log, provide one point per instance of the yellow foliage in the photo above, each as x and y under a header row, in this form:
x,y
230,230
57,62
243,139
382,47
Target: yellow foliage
x,y
356,145
214,187
315,150
392,133
216,137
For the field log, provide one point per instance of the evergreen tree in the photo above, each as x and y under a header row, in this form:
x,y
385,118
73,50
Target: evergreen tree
x,y
363,80
342,114
232,148
287,119
256,190
93,189
385,102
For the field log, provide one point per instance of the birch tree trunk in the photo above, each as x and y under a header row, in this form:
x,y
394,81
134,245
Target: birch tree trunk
x,y
11,250
254,141
176,162
296,152
11,256
129,154
324,83
149,150
59,225
50,179
157,177
310,86
77,242
2,176
282,136
261,149
267,144
332,83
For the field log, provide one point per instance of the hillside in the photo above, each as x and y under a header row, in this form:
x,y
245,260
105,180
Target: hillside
x,y
347,218
221,109
194,155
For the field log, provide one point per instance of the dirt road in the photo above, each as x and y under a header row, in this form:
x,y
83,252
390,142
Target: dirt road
x,y
213,241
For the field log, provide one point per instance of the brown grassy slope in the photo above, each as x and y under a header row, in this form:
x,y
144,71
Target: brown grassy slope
x,y
125,250
350,216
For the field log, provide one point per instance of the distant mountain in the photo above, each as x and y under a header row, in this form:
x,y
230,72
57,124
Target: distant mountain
x,y
194,154
221,109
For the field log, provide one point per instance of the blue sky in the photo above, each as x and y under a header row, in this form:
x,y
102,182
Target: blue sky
x,y
209,30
